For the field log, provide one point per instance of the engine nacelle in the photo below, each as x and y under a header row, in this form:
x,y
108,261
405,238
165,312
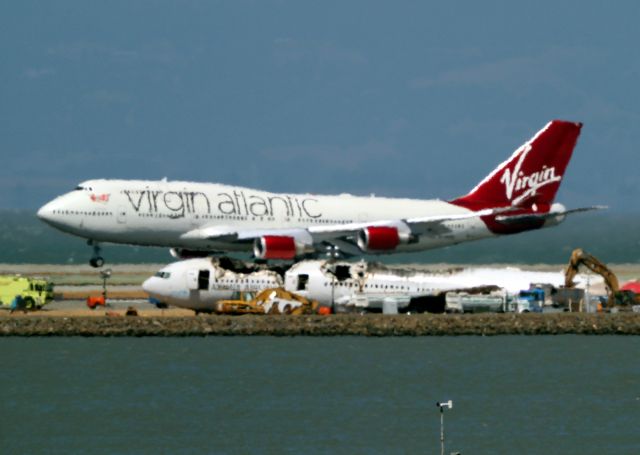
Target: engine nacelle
x,y
381,238
278,247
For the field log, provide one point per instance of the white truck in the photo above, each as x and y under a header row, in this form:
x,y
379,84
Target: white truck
x,y
464,302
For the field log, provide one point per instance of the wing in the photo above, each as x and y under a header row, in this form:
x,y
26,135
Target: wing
x,y
287,243
353,239
417,226
225,234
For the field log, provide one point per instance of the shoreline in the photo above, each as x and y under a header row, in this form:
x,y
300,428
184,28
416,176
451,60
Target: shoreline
x,y
117,325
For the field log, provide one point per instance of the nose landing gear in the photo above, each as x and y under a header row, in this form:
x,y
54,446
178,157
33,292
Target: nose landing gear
x,y
96,260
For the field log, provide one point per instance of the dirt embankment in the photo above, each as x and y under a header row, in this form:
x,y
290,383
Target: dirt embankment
x,y
336,325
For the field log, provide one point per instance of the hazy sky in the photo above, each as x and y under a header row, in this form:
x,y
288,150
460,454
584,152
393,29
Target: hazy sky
x,y
418,99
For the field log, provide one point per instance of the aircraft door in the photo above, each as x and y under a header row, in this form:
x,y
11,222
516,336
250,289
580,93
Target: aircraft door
x,y
192,280
198,280
122,214
203,280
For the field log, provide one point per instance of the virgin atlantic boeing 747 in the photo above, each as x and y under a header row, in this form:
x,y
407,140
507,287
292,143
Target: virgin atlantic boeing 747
x,y
208,218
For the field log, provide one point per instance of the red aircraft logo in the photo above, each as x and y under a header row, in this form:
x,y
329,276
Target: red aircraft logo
x,y
102,198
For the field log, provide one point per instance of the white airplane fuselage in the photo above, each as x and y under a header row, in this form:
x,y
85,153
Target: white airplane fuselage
x,y
159,213
199,283
516,196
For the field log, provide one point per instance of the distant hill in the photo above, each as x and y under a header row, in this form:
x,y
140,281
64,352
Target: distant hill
x,y
614,238
26,239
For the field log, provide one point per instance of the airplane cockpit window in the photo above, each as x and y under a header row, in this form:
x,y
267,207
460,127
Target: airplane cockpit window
x,y
82,188
163,275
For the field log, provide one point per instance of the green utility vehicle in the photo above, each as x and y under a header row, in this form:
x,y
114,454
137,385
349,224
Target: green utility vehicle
x,y
19,292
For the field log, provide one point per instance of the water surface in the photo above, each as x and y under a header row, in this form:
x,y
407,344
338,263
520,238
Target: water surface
x,y
512,394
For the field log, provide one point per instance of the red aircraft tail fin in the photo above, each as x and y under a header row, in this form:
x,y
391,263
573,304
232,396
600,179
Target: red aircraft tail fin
x,y
532,175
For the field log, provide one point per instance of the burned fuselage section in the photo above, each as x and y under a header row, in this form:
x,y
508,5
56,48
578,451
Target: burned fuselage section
x,y
372,287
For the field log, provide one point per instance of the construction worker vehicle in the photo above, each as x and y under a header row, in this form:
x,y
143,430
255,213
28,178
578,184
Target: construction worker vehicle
x,y
268,301
24,293
529,301
614,295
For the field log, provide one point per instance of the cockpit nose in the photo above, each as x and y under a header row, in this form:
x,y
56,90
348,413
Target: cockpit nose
x,y
155,287
158,286
45,213
147,286
59,213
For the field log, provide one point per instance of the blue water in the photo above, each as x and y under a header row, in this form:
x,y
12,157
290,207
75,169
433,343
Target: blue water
x,y
564,394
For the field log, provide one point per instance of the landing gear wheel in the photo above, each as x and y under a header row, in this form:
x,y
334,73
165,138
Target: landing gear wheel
x,y
29,304
96,262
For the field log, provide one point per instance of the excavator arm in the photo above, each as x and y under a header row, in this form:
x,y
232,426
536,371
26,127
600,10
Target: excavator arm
x,y
580,257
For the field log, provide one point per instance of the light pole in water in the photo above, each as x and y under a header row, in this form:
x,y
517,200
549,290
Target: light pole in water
x,y
442,406
105,274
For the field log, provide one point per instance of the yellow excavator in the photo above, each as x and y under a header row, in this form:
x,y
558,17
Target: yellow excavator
x,y
268,301
614,295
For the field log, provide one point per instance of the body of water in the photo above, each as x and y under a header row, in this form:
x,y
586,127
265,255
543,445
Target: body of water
x,y
563,394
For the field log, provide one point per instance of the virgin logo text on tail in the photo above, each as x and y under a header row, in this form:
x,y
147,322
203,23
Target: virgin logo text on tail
x,y
518,181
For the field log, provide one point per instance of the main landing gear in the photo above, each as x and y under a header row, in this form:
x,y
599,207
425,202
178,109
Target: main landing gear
x,y
333,251
96,260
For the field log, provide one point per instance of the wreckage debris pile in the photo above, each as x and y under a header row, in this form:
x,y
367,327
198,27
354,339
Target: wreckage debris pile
x,y
336,325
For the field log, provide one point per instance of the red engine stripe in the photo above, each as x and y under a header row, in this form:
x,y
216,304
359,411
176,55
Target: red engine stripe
x,y
279,247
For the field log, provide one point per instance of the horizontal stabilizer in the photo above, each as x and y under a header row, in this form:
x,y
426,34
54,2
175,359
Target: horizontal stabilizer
x,y
530,217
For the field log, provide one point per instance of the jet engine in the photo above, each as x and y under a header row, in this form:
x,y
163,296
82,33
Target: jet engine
x,y
278,247
382,238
